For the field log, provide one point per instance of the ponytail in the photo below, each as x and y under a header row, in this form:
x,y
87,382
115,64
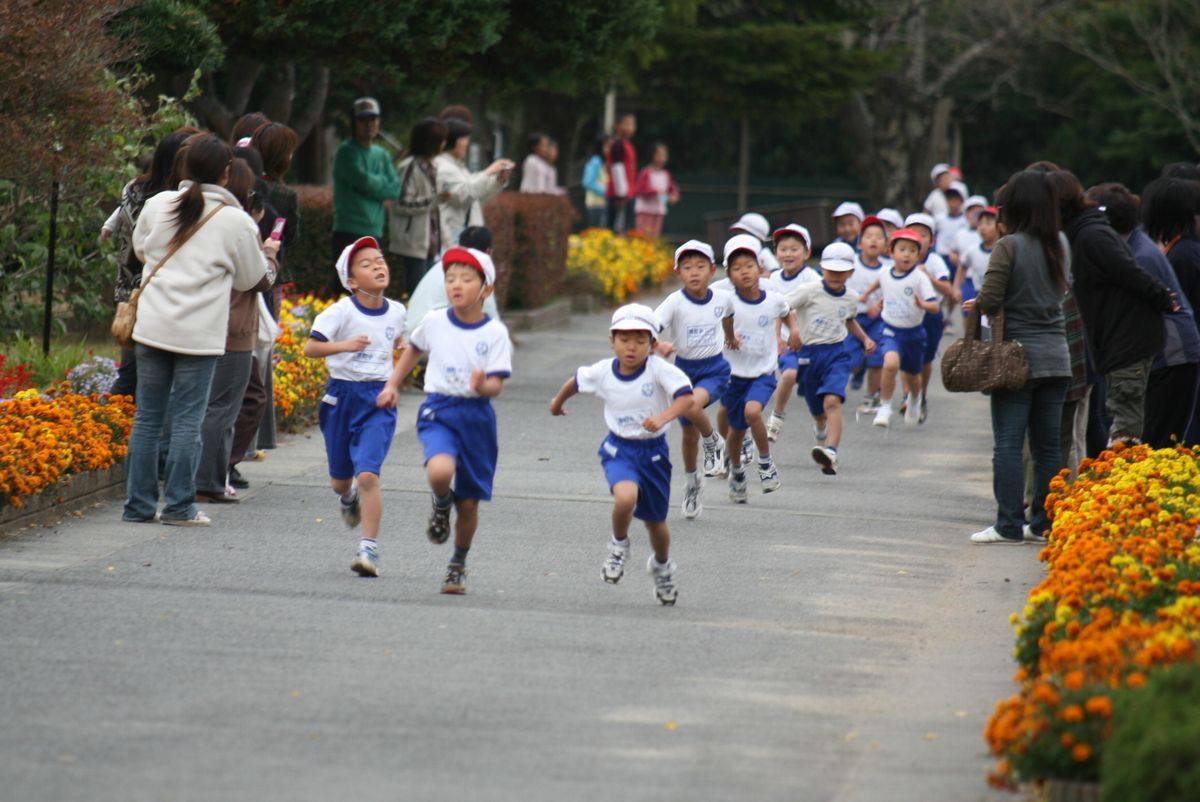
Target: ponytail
x,y
205,160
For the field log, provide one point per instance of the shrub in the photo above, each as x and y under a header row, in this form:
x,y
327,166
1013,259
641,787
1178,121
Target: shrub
x,y
299,380
95,375
309,259
541,226
617,266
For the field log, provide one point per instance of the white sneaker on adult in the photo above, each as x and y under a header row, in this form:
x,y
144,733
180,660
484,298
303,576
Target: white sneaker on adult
x,y
1030,537
990,535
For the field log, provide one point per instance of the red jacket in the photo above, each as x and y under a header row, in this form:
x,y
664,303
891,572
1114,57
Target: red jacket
x,y
630,162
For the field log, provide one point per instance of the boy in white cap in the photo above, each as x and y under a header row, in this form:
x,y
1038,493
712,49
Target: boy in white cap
x,y
935,202
869,263
907,296
470,356
968,236
892,219
756,225
935,267
948,225
847,220
793,245
699,320
825,315
356,336
752,355
642,394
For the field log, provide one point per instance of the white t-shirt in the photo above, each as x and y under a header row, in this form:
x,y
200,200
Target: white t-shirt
x,y
965,240
766,258
947,231
695,326
864,276
456,349
784,284
821,315
975,262
754,324
937,268
346,320
629,400
899,297
935,203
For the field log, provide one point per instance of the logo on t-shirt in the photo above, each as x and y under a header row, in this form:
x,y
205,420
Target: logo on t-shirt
x,y
908,291
718,310
763,320
648,389
390,333
481,348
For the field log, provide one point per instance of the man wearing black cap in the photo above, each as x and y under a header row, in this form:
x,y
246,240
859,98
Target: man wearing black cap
x,y
363,178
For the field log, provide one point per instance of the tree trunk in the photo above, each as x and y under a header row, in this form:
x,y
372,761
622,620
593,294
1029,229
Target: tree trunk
x,y
314,106
743,188
277,105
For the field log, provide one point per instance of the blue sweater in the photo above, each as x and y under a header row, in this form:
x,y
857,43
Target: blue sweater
x,y
1182,346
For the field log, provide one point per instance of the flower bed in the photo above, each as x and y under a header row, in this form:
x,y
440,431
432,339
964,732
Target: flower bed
x,y
618,266
1121,601
45,438
299,381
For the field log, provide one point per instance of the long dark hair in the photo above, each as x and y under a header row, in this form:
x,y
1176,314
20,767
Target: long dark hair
x,y
1071,199
276,143
204,163
1029,206
242,183
246,125
1169,208
156,179
427,139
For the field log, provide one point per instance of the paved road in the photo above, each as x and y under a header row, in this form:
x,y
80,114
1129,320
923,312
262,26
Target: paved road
x,y
837,640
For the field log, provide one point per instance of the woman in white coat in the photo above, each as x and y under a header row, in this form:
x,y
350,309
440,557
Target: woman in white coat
x,y
461,193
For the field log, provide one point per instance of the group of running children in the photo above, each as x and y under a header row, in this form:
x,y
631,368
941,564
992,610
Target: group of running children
x,y
873,308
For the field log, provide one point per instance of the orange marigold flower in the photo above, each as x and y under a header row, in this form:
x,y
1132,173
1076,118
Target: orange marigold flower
x,y
1074,680
1081,753
1072,714
1099,706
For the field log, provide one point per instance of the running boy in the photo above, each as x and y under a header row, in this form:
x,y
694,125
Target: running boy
x,y
757,316
907,296
793,245
642,394
825,312
356,337
869,264
847,220
700,319
973,260
935,267
470,356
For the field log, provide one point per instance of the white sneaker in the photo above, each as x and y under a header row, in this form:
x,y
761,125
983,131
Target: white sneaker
x,y
820,433
826,458
774,426
747,450
769,476
692,491
714,457
990,535
737,487
199,519
883,416
614,566
664,581
1029,537
912,410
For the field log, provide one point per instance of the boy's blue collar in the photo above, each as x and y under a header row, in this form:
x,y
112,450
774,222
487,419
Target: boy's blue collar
x,y
469,326
616,369
366,310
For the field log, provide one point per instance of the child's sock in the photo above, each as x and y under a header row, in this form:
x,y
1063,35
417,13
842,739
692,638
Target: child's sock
x,y
621,544
368,544
460,555
443,501
711,440
764,460
661,566
778,414
350,495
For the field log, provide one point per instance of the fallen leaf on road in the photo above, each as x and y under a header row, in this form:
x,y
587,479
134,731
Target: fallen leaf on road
x,y
318,520
931,736
851,736
961,713
670,726
295,694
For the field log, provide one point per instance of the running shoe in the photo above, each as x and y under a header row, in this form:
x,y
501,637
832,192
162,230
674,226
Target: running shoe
x,y
768,474
351,510
912,411
664,581
826,458
366,563
774,426
692,506
614,566
821,433
438,530
455,581
883,416
714,456
737,486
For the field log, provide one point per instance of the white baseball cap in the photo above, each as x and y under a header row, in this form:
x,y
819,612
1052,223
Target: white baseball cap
x,y
366,107
754,224
891,217
849,207
960,188
795,229
693,246
938,169
838,257
343,262
635,317
742,242
473,258
976,200
920,219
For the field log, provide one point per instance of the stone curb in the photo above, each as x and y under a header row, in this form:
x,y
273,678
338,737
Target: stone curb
x,y
75,491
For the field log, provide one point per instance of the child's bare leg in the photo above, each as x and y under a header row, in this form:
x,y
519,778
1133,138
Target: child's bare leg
x,y
912,384
831,421
787,383
758,428
625,496
371,503
440,470
697,416
733,446
465,523
660,540
926,373
723,422
887,380
873,378
691,448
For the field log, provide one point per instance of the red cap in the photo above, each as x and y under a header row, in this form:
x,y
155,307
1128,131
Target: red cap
x,y
992,210
460,256
872,220
905,233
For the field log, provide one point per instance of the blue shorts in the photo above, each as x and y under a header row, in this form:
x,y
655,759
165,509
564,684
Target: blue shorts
x,y
968,292
465,429
711,374
824,370
357,433
742,390
647,463
935,327
789,360
908,343
874,329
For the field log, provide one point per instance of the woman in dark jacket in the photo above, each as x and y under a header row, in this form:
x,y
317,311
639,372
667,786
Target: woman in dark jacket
x,y
1026,280
1122,306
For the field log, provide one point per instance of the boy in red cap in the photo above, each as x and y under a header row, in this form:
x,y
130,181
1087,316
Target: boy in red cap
x,y
470,356
356,337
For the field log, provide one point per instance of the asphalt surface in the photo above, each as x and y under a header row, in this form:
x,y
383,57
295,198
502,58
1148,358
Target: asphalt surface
x,y
839,639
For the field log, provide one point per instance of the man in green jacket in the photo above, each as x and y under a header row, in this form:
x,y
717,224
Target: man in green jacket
x,y
363,178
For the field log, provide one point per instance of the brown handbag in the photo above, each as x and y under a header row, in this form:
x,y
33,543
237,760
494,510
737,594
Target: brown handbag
x,y
126,315
972,365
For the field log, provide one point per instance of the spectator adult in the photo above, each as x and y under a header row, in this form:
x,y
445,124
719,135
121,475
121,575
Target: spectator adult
x,y
1122,306
183,313
621,161
119,228
538,173
1026,280
276,144
1171,389
243,130
231,375
415,226
363,179
595,183
461,193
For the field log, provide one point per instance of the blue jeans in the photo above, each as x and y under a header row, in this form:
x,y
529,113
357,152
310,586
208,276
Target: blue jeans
x,y
170,387
1035,409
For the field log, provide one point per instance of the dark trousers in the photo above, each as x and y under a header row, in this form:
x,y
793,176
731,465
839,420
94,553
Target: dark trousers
x,y
126,383
1170,396
1036,410
216,432
254,405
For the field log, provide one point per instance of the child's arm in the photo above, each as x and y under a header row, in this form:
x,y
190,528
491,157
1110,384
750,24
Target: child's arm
x,y
855,329
569,389
941,285
664,348
680,406
319,349
871,290
793,331
391,388
928,306
486,386
732,341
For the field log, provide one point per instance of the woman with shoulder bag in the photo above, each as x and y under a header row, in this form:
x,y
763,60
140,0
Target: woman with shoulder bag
x,y
1026,281
197,245
414,232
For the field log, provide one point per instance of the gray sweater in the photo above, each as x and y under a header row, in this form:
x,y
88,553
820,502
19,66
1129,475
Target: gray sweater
x,y
1018,281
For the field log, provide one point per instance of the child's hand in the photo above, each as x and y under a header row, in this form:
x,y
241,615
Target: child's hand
x,y
477,377
869,346
359,343
781,346
556,407
665,348
653,423
734,344
386,398
794,340
874,310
